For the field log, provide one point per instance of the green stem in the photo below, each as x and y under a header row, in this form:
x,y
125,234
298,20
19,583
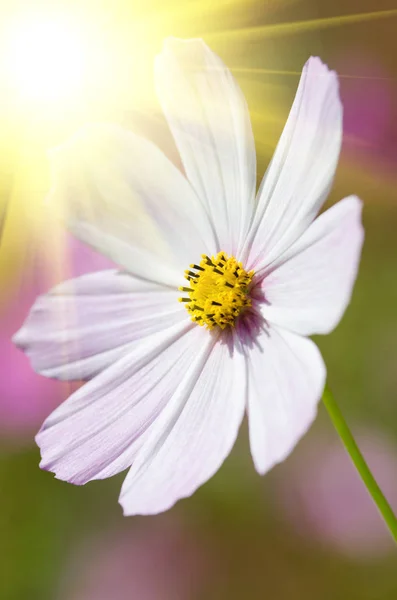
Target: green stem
x,y
359,462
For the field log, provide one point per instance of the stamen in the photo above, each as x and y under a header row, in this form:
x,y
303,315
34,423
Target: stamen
x,y
208,260
197,267
218,292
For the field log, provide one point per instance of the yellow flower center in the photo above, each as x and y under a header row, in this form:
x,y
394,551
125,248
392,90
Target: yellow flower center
x,y
218,290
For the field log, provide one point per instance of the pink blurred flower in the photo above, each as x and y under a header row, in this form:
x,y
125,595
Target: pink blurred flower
x,y
324,497
156,561
367,97
367,89
26,398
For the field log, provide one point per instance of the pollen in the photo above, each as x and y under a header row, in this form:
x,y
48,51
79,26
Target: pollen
x,y
218,291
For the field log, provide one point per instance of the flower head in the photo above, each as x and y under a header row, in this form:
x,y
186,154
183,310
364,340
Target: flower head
x,y
166,397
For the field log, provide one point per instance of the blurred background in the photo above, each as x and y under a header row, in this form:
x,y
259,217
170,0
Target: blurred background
x,y
307,530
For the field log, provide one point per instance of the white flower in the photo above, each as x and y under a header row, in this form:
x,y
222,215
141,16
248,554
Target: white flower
x,y
166,396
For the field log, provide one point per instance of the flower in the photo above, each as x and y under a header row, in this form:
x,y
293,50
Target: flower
x,y
369,128
153,561
323,498
165,395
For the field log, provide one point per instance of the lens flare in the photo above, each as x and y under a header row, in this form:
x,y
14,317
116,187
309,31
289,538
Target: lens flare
x,y
45,58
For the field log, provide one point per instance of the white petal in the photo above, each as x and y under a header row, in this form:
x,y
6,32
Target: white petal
x,y
99,429
122,196
310,290
84,325
193,435
301,172
286,377
209,119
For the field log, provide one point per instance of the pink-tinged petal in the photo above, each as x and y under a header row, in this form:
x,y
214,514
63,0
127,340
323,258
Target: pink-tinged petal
x,y
301,172
84,325
195,432
97,432
310,290
123,197
286,377
209,119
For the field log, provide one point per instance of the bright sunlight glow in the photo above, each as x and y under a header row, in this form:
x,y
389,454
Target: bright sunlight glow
x,y
46,58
